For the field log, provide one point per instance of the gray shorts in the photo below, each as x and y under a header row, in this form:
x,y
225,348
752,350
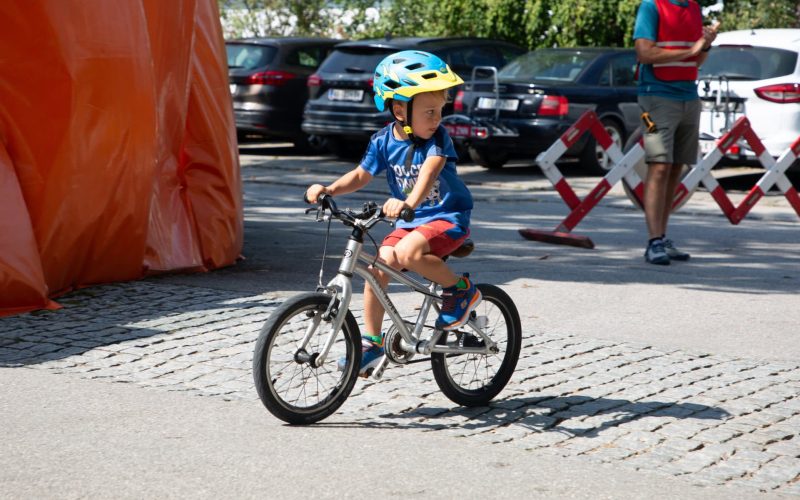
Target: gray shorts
x,y
677,130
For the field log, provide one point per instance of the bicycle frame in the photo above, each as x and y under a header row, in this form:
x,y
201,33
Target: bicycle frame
x,y
355,261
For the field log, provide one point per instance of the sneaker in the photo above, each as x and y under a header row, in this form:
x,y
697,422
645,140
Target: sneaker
x,y
656,254
371,354
457,304
673,253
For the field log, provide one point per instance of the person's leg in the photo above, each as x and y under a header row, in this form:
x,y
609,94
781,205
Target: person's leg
x,y
373,309
414,252
673,180
420,251
656,199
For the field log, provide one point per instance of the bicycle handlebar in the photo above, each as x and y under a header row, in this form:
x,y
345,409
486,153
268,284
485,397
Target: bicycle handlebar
x,y
326,201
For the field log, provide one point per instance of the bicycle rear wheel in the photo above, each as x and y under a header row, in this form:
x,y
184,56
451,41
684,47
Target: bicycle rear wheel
x,y
288,383
475,379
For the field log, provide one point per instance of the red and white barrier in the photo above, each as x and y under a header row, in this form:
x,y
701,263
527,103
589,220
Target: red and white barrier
x,y
775,173
623,169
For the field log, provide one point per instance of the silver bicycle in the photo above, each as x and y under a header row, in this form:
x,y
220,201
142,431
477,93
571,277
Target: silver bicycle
x,y
307,356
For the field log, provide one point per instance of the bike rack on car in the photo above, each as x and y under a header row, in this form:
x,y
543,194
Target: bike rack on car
x,y
463,127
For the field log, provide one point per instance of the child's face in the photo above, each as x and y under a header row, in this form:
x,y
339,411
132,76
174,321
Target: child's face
x,y
426,113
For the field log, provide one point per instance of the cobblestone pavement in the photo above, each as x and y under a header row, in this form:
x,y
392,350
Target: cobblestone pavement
x,y
708,418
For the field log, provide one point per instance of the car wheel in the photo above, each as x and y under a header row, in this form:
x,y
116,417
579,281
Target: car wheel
x,y
310,144
594,159
641,171
488,159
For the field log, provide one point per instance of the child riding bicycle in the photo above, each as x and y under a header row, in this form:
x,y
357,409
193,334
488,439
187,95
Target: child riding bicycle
x,y
418,157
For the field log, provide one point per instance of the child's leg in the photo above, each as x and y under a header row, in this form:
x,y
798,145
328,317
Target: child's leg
x,y
413,252
373,309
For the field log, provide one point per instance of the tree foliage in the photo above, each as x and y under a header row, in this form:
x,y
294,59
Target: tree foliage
x,y
530,23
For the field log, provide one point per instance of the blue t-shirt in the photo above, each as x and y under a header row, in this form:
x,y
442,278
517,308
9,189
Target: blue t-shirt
x,y
449,198
647,27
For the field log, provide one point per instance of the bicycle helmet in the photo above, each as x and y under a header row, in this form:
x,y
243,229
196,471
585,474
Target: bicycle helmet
x,y
403,75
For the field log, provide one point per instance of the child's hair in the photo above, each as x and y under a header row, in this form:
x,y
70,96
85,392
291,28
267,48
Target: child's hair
x,y
390,102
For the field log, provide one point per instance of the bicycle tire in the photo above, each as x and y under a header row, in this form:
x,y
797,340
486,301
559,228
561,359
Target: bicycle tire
x,y
496,304
286,327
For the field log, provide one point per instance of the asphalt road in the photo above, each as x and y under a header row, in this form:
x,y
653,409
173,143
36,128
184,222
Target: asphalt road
x,y
635,380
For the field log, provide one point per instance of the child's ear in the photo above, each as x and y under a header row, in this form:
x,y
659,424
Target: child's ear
x,y
399,110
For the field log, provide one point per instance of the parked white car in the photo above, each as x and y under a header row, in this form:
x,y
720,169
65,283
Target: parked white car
x,y
755,73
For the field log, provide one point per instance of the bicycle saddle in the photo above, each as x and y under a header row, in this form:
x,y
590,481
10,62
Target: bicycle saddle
x,y
465,249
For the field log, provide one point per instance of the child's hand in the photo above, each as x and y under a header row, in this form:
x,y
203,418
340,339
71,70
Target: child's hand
x,y
393,207
313,192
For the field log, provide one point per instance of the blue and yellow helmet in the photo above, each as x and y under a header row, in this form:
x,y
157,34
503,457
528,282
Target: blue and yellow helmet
x,y
403,75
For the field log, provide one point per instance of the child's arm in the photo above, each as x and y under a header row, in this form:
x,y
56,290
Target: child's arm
x,y
428,174
349,182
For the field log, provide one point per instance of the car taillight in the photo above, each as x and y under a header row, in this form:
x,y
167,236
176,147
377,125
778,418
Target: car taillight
x,y
274,78
314,80
554,105
458,102
781,92
371,81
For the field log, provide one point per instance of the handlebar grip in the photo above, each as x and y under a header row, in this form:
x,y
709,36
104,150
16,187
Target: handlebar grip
x,y
407,214
320,199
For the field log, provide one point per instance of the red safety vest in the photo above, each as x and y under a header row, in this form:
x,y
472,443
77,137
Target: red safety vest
x,y
678,28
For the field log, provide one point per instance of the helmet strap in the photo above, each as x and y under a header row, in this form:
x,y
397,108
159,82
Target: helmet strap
x,y
406,125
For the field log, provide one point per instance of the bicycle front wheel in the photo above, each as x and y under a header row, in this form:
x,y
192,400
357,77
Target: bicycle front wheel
x,y
287,379
475,379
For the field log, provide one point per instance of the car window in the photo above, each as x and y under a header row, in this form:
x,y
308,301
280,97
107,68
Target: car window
x,y
248,56
509,53
748,63
463,59
353,60
623,70
308,57
562,66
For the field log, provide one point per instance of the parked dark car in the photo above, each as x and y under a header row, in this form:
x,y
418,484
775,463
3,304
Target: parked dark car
x,y
341,106
268,84
539,95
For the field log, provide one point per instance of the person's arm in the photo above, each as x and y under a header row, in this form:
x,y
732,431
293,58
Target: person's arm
x,y
647,52
349,182
710,34
428,173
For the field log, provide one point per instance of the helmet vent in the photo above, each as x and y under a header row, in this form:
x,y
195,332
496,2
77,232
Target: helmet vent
x,y
391,84
398,60
412,67
428,76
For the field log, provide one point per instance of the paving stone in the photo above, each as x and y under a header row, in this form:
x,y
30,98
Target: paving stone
x,y
711,419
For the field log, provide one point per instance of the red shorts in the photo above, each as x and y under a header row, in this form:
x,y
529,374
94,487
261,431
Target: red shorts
x,y
443,237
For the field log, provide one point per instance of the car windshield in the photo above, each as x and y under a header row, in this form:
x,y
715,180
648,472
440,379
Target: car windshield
x,y
563,66
353,60
748,63
249,56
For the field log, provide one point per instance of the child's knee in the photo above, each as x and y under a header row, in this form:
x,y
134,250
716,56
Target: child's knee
x,y
407,257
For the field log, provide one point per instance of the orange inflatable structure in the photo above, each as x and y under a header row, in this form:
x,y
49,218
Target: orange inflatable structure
x,y
118,149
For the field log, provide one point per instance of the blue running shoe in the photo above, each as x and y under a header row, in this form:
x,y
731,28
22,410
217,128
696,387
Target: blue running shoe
x,y
673,253
371,354
656,253
457,304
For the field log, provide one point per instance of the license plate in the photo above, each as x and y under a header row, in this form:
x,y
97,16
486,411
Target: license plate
x,y
346,95
233,88
458,130
502,104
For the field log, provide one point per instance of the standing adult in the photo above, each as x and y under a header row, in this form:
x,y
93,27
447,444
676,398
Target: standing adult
x,y
671,43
